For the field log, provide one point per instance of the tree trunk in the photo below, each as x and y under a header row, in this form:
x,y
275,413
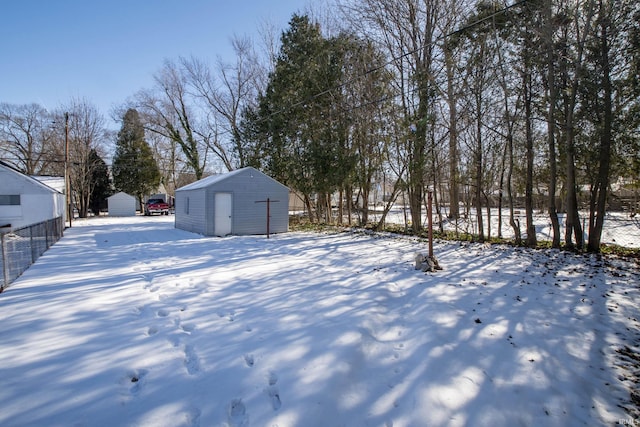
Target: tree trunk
x,y
528,192
478,192
602,185
551,129
454,179
515,225
364,218
573,82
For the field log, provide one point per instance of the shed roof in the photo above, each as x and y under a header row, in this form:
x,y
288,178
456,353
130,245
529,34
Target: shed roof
x,y
121,195
213,179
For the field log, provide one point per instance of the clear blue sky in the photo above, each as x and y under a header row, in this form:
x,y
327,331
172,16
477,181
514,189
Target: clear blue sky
x,y
106,50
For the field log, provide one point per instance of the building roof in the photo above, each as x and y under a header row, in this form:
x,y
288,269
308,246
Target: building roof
x,y
213,179
121,194
28,178
55,182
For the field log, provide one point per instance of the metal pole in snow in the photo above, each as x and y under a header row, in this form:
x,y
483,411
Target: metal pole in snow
x,y
268,202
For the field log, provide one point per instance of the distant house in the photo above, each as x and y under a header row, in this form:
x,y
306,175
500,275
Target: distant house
x,y
241,202
25,200
121,204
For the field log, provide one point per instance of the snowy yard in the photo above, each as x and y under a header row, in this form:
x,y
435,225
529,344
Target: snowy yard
x,y
130,322
619,227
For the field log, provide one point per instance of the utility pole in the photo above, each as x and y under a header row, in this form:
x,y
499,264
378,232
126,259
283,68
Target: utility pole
x,y
67,186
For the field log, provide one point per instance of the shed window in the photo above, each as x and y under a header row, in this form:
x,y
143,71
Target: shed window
x,y
186,206
9,200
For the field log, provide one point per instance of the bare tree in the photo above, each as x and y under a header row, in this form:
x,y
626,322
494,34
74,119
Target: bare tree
x,y
27,138
407,30
86,134
169,110
233,88
450,19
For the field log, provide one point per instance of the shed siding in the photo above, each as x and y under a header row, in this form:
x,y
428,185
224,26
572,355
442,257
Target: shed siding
x,y
190,210
122,204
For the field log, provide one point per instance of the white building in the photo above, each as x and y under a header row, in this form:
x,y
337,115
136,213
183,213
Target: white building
x,y
25,200
121,204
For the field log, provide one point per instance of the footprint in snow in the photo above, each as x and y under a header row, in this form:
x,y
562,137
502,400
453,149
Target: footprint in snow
x,y
191,360
238,416
162,313
135,380
273,378
187,327
273,392
249,360
192,417
149,286
151,331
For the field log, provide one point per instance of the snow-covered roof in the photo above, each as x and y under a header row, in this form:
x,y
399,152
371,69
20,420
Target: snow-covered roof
x,y
55,182
121,195
213,179
205,182
28,178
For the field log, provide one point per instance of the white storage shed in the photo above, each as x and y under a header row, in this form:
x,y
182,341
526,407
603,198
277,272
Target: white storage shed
x,y
121,204
241,202
25,201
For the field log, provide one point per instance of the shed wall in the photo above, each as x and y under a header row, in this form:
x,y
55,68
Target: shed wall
x,y
250,191
190,213
122,204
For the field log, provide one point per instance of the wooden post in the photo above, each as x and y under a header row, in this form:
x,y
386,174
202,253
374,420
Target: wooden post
x,y
430,222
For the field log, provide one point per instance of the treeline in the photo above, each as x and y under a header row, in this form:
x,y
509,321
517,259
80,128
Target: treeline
x,y
518,106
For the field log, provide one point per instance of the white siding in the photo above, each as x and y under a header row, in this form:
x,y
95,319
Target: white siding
x,y
38,202
122,204
190,211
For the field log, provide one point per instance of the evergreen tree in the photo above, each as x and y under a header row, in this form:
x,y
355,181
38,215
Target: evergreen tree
x,y
135,171
300,124
101,185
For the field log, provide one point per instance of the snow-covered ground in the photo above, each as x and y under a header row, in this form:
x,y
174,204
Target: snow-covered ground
x,y
130,322
619,227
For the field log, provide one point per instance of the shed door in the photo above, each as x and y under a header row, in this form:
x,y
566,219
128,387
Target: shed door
x,y
222,217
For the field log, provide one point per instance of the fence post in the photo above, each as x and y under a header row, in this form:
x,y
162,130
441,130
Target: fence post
x,y
31,245
5,262
46,234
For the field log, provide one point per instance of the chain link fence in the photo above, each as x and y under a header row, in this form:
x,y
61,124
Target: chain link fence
x,y
23,246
